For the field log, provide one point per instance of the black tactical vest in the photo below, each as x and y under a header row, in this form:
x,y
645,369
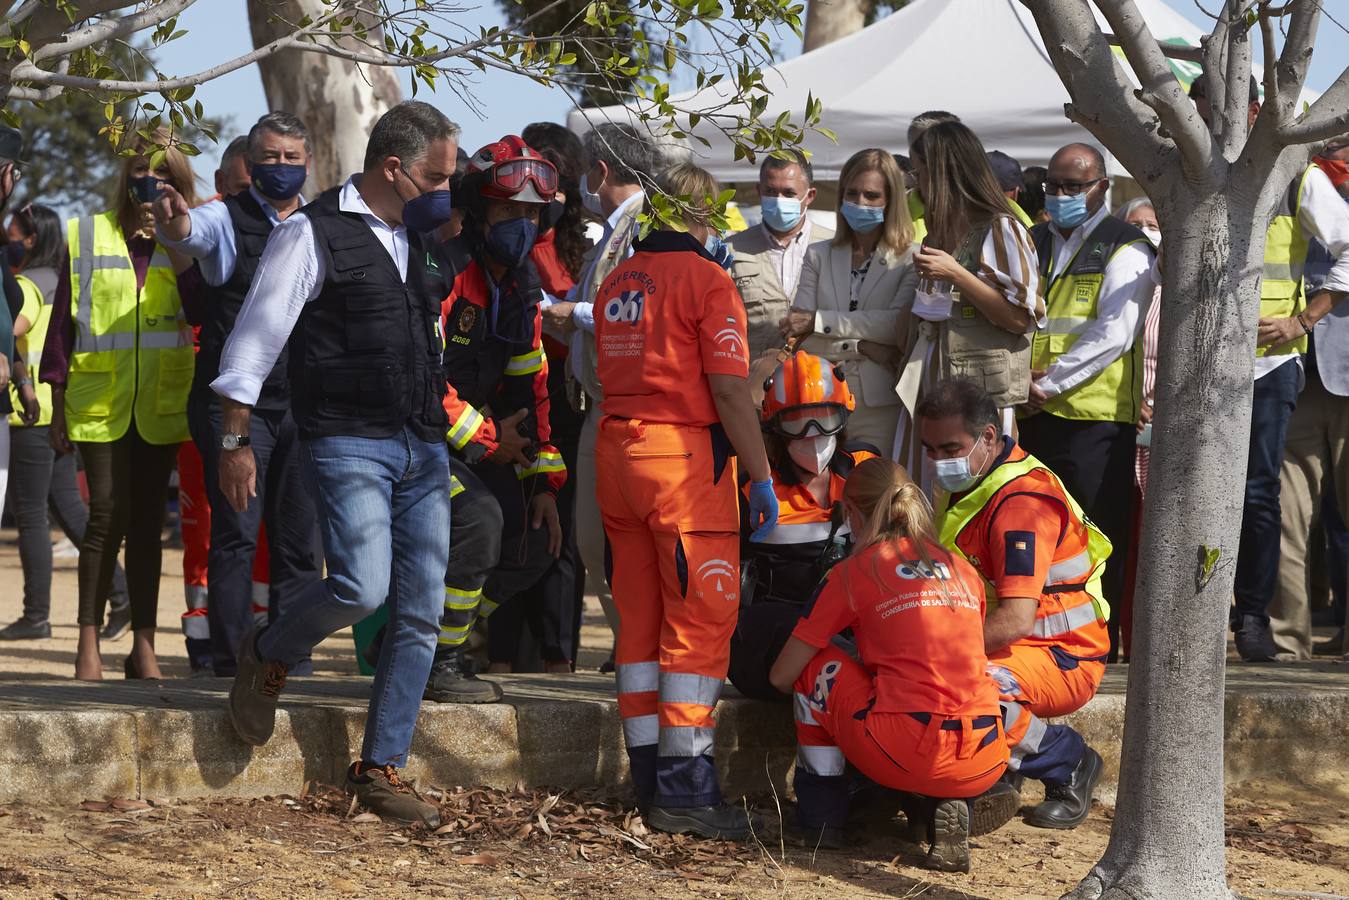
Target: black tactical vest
x,y
366,353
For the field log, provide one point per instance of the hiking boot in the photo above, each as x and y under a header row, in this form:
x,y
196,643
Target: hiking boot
x,y
993,808
253,696
24,630
1067,805
451,682
950,850
379,790
1254,641
118,621
727,823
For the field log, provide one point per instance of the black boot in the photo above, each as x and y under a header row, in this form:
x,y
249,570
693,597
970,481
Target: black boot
x,y
950,850
24,630
119,619
1067,805
452,682
727,823
1254,641
993,808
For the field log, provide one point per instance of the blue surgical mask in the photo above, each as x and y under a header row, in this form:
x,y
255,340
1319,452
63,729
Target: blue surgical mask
x,y
145,188
719,250
862,219
427,212
954,475
1066,212
278,181
510,241
781,213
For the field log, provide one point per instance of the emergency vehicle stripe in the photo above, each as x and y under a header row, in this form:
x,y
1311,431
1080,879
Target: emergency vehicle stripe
x,y
801,709
821,760
1069,570
801,533
464,427
525,363
457,599
685,740
638,678
641,731
1060,623
685,687
126,340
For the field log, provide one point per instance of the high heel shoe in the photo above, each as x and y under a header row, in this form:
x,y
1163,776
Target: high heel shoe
x,y
130,668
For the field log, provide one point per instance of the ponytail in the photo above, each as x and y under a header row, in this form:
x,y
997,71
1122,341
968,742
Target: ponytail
x,y
894,508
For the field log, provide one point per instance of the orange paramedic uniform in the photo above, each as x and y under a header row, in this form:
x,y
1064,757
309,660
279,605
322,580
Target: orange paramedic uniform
x,y
665,319
1028,538
919,711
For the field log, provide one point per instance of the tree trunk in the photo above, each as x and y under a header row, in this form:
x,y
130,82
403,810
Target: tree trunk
x,y
338,100
829,20
1167,839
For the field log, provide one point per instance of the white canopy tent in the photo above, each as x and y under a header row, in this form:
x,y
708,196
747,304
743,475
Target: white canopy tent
x,y
980,59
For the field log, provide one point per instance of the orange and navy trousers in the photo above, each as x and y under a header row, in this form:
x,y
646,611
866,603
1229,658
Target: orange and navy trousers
x,y
919,752
1035,683
669,504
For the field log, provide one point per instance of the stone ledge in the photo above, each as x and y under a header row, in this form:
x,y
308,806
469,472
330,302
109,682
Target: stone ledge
x,y
63,740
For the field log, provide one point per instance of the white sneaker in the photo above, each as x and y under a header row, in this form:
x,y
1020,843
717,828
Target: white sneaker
x,y
65,549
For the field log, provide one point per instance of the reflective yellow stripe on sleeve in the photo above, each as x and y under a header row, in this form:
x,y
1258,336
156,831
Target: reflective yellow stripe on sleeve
x,y
548,461
526,363
464,427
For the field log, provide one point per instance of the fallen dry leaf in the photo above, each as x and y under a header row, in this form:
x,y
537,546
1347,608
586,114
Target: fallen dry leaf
x,y
477,859
365,818
95,806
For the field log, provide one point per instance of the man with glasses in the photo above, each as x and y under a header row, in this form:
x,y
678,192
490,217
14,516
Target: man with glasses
x,y
1086,367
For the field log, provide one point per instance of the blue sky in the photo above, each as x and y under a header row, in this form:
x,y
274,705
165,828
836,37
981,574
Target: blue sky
x,y
218,30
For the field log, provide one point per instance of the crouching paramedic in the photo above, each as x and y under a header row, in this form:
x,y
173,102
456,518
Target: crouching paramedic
x,y
1041,561
805,412
917,710
497,405
670,335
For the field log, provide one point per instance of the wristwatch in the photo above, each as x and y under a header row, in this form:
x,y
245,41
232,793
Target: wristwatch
x,y
233,441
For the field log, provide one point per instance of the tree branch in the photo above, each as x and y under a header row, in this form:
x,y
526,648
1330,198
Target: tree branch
x,y
1268,56
111,29
1328,117
1235,109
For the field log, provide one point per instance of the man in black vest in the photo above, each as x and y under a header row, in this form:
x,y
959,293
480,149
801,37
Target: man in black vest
x,y
226,236
345,281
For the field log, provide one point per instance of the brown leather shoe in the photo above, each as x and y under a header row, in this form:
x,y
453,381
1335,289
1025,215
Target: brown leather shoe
x,y
379,790
257,685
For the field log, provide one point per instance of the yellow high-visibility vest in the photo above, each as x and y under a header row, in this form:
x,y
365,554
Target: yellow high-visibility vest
x,y
133,350
1282,294
37,310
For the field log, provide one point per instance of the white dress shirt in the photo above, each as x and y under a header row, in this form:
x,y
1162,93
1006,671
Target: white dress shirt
x,y
211,239
1126,288
790,257
583,313
1322,215
289,275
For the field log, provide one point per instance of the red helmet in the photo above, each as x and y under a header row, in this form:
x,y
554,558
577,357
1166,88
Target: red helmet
x,y
806,395
512,170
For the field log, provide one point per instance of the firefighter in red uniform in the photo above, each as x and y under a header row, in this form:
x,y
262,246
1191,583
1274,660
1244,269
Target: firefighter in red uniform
x,y
1041,560
670,339
805,410
498,404
915,710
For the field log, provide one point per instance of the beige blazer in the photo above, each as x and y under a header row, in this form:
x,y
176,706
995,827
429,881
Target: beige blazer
x,y
756,277
887,290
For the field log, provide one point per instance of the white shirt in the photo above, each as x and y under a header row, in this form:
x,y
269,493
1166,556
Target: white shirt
x,y
583,313
210,240
1323,216
790,257
1126,288
289,275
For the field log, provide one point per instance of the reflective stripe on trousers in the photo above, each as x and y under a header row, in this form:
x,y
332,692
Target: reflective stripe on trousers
x,y
1030,742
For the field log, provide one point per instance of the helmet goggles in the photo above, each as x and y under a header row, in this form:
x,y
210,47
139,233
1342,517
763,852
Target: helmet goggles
x,y
809,420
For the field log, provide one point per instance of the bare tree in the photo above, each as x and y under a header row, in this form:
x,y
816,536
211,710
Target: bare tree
x,y
51,47
1214,190
338,98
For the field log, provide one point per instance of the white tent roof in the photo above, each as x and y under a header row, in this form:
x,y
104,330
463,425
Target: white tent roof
x,y
980,59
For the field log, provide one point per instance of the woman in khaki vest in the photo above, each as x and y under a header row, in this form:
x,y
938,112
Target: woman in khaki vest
x,y
977,299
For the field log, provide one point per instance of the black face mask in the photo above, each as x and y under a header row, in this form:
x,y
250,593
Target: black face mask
x,y
145,188
15,251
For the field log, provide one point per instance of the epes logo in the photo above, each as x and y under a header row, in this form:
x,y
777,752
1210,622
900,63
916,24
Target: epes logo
x,y
626,307
916,568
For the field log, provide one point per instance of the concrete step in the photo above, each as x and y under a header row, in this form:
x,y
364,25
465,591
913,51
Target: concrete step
x,y
67,740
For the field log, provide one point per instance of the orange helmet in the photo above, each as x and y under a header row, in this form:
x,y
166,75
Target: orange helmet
x,y
805,396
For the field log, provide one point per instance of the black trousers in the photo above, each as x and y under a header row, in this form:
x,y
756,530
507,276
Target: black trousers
x,y
283,503
1095,462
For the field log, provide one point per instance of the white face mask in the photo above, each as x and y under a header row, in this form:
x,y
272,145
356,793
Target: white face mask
x,y
589,199
813,453
1154,235
955,475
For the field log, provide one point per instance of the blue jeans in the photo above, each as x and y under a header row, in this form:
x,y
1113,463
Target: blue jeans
x,y
1258,553
384,516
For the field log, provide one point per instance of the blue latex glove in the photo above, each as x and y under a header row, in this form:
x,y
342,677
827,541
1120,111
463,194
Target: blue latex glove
x,y
763,509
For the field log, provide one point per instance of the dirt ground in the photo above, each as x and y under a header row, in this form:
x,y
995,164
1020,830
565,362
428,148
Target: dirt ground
x,y
536,845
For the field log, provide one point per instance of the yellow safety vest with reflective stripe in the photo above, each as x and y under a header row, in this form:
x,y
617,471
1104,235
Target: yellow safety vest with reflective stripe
x,y
1079,575
1281,290
37,309
133,349
1115,394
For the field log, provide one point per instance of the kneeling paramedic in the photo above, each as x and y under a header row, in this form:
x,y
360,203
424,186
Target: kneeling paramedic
x,y
670,335
1041,561
805,410
497,405
916,710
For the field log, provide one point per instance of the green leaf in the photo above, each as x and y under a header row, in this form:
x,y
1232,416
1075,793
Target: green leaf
x,y
1208,558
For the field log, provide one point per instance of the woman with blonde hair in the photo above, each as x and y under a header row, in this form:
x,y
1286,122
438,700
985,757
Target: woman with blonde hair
x,y
978,293
854,288
915,710
119,358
